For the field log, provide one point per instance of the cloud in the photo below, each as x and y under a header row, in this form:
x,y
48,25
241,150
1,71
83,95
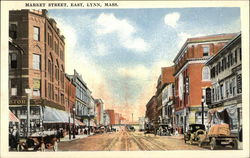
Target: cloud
x,y
126,32
135,72
172,19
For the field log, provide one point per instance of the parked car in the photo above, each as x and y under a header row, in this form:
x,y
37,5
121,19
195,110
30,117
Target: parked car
x,y
194,132
163,130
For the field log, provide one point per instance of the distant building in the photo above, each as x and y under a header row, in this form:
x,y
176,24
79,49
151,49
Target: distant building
x,y
192,77
151,110
83,97
167,96
111,113
226,88
99,112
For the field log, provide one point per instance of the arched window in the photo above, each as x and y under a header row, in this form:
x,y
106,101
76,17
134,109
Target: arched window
x,y
205,73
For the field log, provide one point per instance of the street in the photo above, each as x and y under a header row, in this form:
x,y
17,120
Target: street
x,y
126,141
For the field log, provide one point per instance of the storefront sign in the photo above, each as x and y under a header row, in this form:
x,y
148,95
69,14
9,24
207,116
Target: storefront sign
x,y
17,101
24,101
187,85
208,96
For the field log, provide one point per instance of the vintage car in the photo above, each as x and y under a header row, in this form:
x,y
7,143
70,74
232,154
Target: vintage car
x,y
194,132
219,136
163,130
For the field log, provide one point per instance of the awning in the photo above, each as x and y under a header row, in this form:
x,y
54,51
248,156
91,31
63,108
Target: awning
x,y
79,123
92,123
52,115
12,117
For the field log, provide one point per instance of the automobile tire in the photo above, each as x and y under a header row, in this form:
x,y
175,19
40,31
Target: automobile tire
x,y
55,147
191,141
213,144
19,148
235,145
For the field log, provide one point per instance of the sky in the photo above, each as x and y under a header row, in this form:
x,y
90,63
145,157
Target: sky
x,y
120,52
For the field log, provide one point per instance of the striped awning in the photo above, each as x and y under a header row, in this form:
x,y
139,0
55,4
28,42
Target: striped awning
x,y
79,123
52,115
12,117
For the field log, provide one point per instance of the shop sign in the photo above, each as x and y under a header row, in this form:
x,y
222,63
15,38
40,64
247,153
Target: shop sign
x,y
187,85
17,101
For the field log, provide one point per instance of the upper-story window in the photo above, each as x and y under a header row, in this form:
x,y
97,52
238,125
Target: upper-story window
x,y
13,30
206,51
36,61
36,33
13,60
205,73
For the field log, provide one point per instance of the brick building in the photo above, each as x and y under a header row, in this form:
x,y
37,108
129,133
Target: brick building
x,y
70,94
164,79
111,113
40,67
192,77
167,95
151,110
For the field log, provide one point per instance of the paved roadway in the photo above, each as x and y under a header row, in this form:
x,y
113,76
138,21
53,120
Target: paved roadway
x,y
127,141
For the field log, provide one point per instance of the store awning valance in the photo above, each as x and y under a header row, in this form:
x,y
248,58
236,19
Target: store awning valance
x,y
12,117
52,115
79,123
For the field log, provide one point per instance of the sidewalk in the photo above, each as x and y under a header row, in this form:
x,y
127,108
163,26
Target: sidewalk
x,y
80,136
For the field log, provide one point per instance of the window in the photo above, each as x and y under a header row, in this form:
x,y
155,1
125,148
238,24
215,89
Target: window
x,y
221,91
13,30
240,54
13,60
227,89
37,33
206,51
205,73
36,62
235,55
36,87
233,87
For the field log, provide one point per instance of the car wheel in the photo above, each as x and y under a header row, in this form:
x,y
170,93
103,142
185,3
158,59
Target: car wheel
x,y
19,147
235,145
191,141
213,144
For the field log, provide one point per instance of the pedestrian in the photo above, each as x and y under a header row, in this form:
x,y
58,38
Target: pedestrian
x,y
58,134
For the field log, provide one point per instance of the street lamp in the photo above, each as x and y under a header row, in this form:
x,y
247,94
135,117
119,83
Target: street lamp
x,y
28,92
202,110
88,123
74,123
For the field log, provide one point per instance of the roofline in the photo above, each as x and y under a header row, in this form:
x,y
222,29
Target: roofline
x,y
188,42
223,48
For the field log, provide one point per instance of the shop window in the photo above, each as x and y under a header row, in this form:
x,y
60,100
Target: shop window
x,y
37,33
36,62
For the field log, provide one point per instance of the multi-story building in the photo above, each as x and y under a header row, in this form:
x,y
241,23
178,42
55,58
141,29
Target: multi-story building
x,y
226,88
167,96
70,94
39,66
192,77
99,111
151,110
83,97
111,113
165,78
106,119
